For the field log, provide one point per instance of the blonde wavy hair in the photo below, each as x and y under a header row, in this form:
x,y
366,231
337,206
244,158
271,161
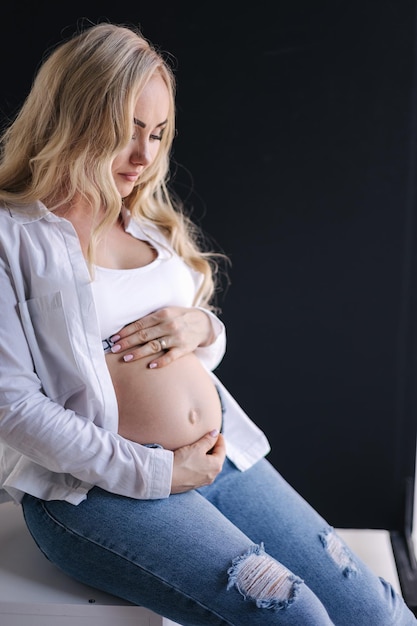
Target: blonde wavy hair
x,y
76,118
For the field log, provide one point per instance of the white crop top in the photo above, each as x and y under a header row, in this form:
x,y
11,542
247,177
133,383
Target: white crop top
x,y
123,296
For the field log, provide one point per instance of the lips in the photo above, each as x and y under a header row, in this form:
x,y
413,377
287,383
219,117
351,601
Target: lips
x,y
130,176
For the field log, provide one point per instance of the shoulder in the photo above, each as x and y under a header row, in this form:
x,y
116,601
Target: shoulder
x,y
22,213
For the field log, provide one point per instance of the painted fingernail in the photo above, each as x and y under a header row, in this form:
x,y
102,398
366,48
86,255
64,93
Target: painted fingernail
x,y
115,337
128,357
214,433
116,348
152,366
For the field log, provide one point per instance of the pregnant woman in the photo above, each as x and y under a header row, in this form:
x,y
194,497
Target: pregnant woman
x,y
137,471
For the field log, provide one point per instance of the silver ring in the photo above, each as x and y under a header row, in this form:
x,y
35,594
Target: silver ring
x,y
163,344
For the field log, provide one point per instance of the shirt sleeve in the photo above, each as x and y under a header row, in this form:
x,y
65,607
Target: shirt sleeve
x,y
212,355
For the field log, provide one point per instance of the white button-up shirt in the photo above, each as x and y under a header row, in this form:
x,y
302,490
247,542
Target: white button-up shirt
x,y
58,409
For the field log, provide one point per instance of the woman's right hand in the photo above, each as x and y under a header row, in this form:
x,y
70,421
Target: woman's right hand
x,y
198,464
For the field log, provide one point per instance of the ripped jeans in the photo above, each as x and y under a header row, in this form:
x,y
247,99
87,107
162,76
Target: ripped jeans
x,y
244,551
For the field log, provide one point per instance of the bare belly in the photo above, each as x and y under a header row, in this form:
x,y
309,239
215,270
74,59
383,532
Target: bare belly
x,y
172,406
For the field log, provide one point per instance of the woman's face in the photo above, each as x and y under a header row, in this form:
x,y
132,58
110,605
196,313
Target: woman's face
x,y
150,120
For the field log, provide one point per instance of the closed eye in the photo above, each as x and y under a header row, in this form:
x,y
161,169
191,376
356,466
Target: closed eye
x,y
141,124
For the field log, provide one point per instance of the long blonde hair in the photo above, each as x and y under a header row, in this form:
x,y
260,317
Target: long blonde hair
x,y
76,118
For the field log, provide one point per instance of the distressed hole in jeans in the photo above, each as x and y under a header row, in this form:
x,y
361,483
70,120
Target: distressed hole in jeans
x,y
338,551
259,577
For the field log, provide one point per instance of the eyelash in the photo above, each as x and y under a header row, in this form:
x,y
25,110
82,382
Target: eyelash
x,y
154,137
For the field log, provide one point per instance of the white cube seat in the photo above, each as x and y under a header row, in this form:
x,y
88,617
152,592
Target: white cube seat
x,y
33,592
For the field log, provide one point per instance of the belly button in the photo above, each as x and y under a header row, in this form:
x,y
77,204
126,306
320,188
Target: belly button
x,y
193,416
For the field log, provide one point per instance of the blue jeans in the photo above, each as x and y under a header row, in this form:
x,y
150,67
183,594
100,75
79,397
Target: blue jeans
x,y
245,551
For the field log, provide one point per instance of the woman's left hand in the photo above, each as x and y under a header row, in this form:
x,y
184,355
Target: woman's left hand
x,y
172,332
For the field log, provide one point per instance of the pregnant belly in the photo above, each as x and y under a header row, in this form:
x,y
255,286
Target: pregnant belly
x,y
172,406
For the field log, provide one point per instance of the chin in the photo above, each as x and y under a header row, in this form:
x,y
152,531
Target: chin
x,y
125,190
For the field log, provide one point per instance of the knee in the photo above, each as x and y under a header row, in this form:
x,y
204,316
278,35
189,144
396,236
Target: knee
x,y
262,579
338,552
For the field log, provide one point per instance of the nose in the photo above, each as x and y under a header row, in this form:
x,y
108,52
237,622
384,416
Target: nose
x,y
141,154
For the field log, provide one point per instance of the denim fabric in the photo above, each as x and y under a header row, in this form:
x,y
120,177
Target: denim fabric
x,y
244,551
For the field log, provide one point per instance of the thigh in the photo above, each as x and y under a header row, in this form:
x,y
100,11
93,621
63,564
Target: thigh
x,y
172,555
269,511
163,538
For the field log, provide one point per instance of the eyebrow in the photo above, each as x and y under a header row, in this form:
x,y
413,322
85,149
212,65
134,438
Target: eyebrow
x,y
143,125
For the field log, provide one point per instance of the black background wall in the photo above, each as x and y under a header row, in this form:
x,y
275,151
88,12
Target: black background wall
x,y
296,152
